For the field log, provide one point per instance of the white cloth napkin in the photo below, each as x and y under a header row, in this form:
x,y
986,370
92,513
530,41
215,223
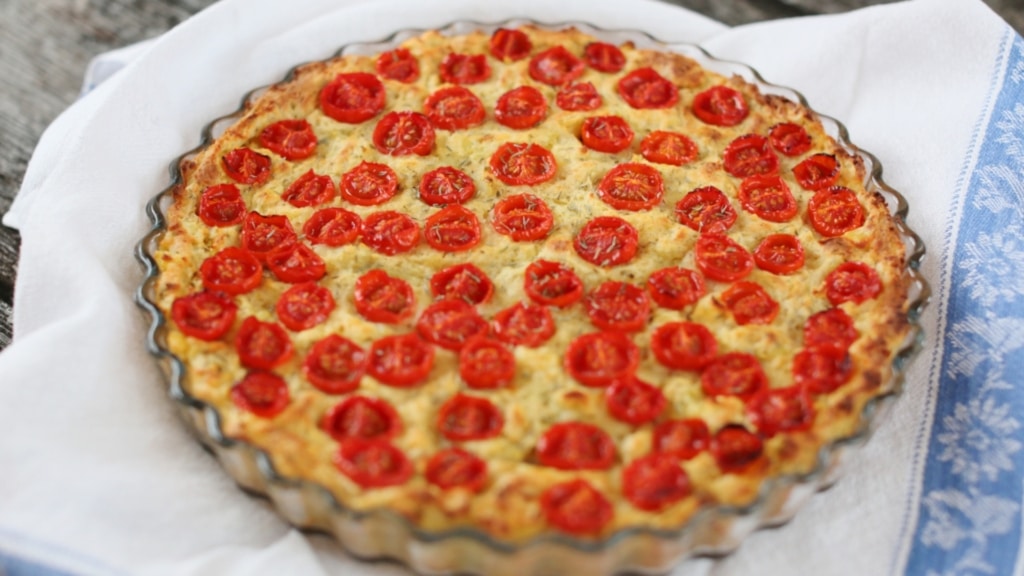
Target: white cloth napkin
x,y
98,476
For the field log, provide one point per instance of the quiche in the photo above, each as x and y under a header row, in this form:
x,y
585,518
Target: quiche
x,y
528,282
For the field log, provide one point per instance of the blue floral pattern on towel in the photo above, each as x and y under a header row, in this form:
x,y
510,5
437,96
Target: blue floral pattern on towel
x,y
970,511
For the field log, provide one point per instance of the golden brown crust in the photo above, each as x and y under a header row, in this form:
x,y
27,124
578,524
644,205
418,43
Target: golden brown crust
x,y
542,393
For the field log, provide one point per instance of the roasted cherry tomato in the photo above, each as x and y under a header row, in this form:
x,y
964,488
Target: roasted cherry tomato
x,y
722,259
749,303
576,507
485,363
683,439
835,211
304,305
655,482
749,155
618,307
779,254
736,449
607,241
399,65
452,229
353,97
830,327
706,210
733,374
578,97
335,365
576,446
265,235
373,463
369,184
221,205
361,417
402,360
599,358
522,217
645,88
604,57
632,186
262,345
518,164
509,45
789,139
823,368
675,288
390,232
290,139
404,133
246,167
463,282
446,185
684,345
634,401
465,68
817,171
555,66
469,418
297,265
456,468
524,324
552,284
521,108
310,189
720,106
669,148
264,394
768,197
383,298
609,134
233,270
204,315
332,227
454,108
777,410
450,324
852,282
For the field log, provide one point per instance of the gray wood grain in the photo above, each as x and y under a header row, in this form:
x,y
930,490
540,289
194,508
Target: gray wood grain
x,y
46,44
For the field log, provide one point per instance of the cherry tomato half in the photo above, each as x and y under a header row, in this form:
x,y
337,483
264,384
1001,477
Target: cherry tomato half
x,y
401,360
510,45
521,108
683,439
632,186
264,394
452,229
779,254
749,155
736,449
297,265
335,365
832,327
353,97
450,324
382,298
333,227
607,241
644,88
749,303
369,184
524,324
604,57
463,282
618,307
655,482
518,164
555,66
576,507
522,217
789,139
576,446
578,97
304,305
404,133
262,345
722,259
373,463
464,68
706,210
634,401
265,235
454,108
233,270
720,106
486,364
221,205
768,197
361,417
290,139
204,315
734,374
246,167
456,468
446,185
817,171
609,134
684,345
399,65
823,368
675,288
310,189
835,211
670,148
852,282
599,358
552,284
465,417
777,410
390,232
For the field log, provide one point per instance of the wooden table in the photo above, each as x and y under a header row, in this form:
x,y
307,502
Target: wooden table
x,y
46,44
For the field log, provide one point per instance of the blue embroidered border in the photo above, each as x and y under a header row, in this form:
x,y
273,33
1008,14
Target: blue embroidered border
x,y
969,519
